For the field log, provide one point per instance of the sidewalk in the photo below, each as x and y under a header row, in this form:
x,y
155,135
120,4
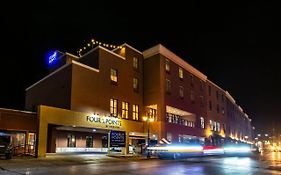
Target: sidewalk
x,y
132,156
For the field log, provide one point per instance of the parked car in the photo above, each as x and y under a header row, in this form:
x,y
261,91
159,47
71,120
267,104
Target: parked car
x,y
6,148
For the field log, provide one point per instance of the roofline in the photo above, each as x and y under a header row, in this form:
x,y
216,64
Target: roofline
x,y
215,85
105,49
49,75
160,49
227,94
131,47
15,110
72,55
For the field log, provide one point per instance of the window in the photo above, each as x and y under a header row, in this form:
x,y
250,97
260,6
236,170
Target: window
x,y
215,126
71,140
89,141
125,110
135,63
181,91
222,98
211,125
210,90
218,127
135,112
168,86
180,73
152,114
113,75
201,101
191,80
113,107
218,108
201,85
136,84
222,110
167,65
217,95
210,105
202,122
192,96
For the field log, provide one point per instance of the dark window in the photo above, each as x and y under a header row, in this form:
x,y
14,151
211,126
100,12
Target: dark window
x,y
201,85
210,90
201,101
89,141
218,108
168,86
217,94
210,105
191,80
192,96
181,91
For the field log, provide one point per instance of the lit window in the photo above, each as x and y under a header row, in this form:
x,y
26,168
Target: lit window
x,y
125,110
167,65
215,126
113,75
222,110
135,63
136,84
168,86
218,127
71,140
192,96
135,112
152,114
180,73
211,125
202,122
113,107
181,91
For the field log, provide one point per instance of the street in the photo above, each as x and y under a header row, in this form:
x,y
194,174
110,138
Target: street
x,y
266,163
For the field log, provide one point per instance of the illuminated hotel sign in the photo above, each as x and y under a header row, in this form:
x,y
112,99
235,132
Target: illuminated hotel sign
x,y
106,121
52,58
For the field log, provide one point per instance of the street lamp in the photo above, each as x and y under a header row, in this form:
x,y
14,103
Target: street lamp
x,y
148,120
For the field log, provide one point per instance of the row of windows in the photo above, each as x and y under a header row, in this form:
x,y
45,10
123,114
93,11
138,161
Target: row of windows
x,y
218,108
181,75
125,109
181,93
114,79
215,126
172,118
217,94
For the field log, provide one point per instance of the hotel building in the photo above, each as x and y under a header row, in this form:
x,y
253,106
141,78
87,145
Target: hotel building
x,y
85,99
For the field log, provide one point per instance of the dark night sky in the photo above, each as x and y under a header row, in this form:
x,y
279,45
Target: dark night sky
x,y
238,46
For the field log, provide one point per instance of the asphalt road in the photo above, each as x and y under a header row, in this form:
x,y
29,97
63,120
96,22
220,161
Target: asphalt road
x,y
267,163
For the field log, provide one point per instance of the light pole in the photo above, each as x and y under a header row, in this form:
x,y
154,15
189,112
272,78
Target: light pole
x,y
148,120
